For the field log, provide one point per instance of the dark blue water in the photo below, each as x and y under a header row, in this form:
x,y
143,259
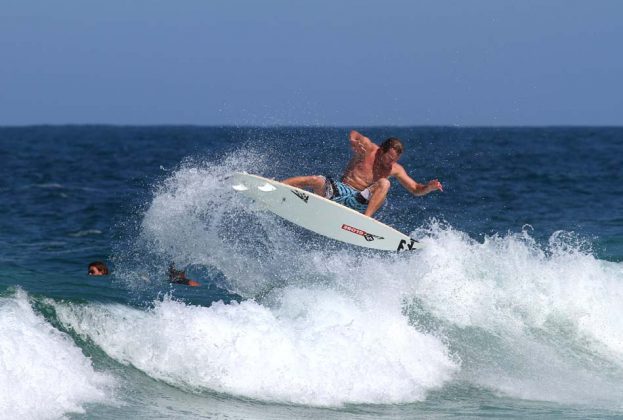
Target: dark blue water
x,y
529,229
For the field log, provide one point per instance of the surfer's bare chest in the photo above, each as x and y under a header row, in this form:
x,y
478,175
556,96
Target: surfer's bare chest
x,y
362,172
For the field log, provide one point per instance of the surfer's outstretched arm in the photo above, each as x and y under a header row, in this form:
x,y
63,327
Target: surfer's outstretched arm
x,y
413,186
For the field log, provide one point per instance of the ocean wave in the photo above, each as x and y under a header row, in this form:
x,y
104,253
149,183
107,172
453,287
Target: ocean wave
x,y
521,318
313,347
531,321
43,374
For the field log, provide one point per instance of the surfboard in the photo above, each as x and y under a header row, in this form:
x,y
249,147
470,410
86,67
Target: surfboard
x,y
321,215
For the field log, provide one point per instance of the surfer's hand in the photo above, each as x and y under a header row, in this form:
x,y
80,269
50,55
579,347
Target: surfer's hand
x,y
435,185
358,147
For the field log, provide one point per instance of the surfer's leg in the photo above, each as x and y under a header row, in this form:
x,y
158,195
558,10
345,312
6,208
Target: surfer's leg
x,y
378,192
315,182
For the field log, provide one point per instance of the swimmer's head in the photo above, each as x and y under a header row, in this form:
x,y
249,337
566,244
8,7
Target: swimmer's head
x,y
97,268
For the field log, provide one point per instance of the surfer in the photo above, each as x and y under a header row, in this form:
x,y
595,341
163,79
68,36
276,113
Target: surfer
x,y
97,268
365,182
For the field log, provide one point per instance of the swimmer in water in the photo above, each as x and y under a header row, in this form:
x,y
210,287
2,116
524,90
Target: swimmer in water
x,y
97,268
179,277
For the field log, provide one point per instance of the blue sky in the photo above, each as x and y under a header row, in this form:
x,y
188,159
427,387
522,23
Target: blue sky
x,y
347,63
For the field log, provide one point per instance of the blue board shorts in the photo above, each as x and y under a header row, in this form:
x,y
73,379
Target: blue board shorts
x,y
346,195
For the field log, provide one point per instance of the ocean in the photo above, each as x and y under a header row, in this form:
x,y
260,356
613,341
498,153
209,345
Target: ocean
x,y
514,308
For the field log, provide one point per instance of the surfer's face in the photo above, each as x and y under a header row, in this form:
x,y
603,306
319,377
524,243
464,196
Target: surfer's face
x,y
388,158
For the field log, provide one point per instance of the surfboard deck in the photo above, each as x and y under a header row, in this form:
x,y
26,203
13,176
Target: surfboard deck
x,y
321,215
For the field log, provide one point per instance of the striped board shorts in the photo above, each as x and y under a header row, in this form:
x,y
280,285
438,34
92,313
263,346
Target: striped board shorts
x,y
346,195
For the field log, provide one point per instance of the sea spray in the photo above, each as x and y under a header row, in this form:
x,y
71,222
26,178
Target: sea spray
x,y
196,218
191,219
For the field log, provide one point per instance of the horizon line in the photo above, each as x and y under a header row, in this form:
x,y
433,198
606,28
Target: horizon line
x,y
285,126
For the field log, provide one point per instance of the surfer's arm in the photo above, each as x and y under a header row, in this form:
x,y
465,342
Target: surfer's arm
x,y
359,143
413,186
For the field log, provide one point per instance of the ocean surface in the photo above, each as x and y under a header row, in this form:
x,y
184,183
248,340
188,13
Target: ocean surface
x,y
514,308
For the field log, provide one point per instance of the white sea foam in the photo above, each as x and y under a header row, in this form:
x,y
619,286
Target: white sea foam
x,y
523,319
532,322
313,347
43,374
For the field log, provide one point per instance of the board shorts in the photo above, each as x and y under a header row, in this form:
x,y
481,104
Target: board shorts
x,y
346,195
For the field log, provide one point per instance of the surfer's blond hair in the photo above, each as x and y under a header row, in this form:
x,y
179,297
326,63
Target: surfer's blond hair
x,y
392,143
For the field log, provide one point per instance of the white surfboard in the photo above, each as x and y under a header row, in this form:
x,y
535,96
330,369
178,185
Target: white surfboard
x,y
322,216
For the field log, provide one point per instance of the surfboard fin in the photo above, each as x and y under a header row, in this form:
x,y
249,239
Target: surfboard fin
x,y
239,187
266,187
